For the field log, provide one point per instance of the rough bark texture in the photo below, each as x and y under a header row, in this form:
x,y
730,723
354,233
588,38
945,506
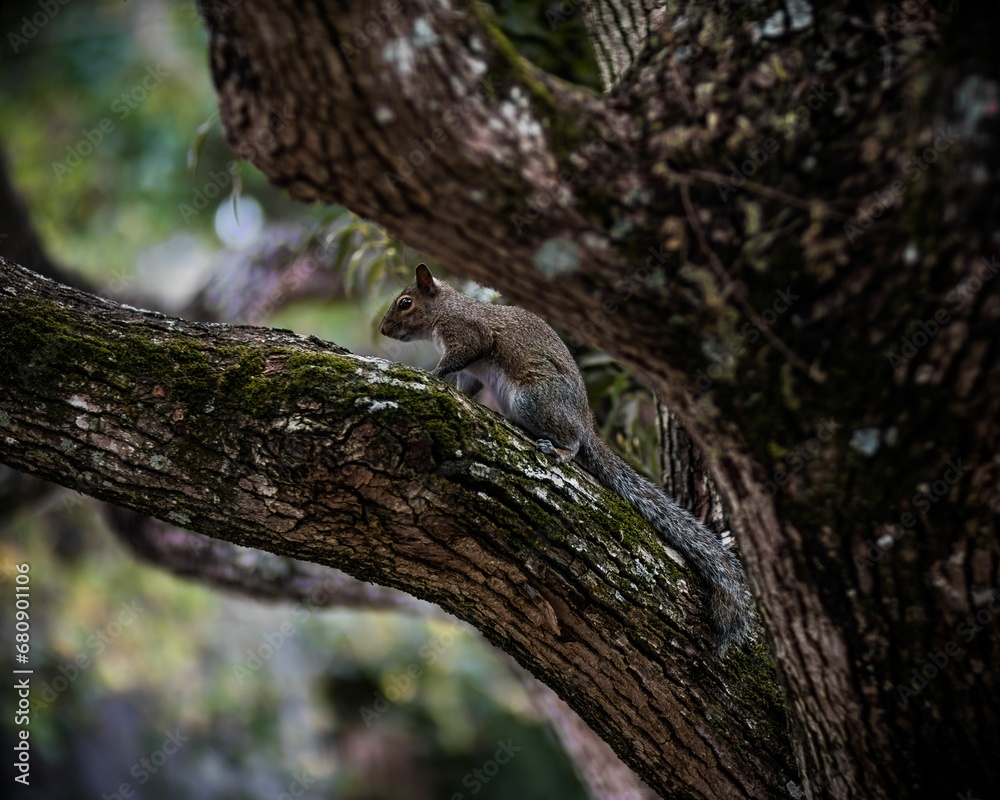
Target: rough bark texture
x,y
286,444
619,30
686,475
785,218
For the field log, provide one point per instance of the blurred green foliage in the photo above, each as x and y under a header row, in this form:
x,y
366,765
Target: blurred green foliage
x,y
552,35
99,112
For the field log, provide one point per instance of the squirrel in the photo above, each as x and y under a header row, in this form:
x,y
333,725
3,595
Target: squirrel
x,y
538,386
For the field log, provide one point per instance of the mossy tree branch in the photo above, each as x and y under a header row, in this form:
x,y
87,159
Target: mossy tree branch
x,y
291,445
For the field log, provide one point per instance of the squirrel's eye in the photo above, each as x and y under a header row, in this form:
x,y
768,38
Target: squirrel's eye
x,y
405,303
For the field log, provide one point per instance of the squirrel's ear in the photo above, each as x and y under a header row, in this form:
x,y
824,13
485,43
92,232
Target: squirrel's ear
x,y
425,281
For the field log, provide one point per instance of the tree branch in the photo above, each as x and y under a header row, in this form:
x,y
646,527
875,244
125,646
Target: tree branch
x,y
283,443
255,573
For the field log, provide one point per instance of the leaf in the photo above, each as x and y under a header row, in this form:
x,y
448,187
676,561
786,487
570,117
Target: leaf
x,y
201,134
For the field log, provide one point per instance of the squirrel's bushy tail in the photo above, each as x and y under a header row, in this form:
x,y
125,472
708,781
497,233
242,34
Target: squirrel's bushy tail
x,y
703,550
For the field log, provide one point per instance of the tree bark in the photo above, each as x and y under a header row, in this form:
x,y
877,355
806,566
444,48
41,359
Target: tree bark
x,y
685,473
290,445
786,222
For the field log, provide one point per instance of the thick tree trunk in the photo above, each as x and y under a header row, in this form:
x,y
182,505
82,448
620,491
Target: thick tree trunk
x,y
786,221
283,443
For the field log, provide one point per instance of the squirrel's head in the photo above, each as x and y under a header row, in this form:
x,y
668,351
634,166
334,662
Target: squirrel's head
x,y
411,315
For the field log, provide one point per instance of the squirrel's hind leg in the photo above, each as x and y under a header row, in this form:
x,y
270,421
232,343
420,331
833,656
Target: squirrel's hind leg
x,y
542,410
562,454
469,384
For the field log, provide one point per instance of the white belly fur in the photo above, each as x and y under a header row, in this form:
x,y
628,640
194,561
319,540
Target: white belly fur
x,y
503,390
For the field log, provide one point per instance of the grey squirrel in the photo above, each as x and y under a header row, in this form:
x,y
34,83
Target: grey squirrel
x,y
539,387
